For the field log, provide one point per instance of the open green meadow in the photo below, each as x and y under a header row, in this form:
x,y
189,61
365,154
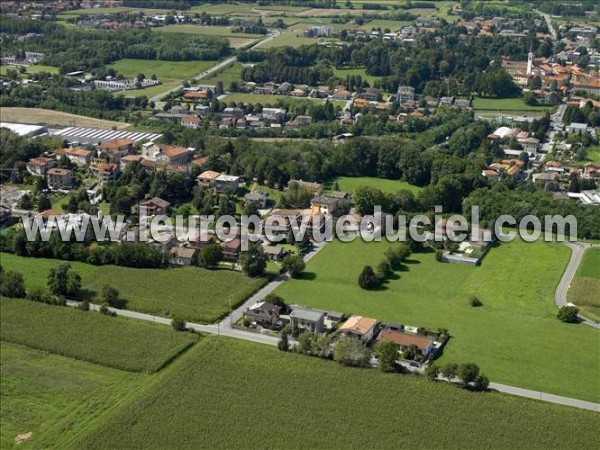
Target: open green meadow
x,y
54,398
506,104
224,9
593,154
170,73
116,342
223,31
36,68
233,72
241,97
212,398
349,184
514,337
191,293
343,73
586,285
293,37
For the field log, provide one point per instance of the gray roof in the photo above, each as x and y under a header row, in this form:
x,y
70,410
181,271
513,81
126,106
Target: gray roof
x,y
308,314
324,200
256,195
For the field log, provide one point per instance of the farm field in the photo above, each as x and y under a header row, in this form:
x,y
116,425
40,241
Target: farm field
x,y
233,72
222,31
349,184
57,399
57,118
170,73
271,99
37,68
310,394
586,285
188,292
225,8
293,37
514,337
115,342
506,104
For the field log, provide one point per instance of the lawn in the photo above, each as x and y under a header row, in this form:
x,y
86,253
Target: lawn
x,y
271,99
37,68
224,9
115,342
586,285
293,37
506,104
188,292
593,154
56,118
210,398
55,398
170,73
349,184
515,337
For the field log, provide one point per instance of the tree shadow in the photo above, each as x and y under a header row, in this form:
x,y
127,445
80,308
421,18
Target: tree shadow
x,y
307,276
412,261
85,294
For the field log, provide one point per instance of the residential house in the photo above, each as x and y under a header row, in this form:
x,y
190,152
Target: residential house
x,y
232,249
182,256
342,95
530,145
359,327
309,186
77,155
196,95
263,313
40,165
258,198
166,154
117,148
340,195
227,184
190,121
154,206
592,171
274,114
59,178
103,170
129,159
323,204
406,340
308,319
207,178
280,220
274,253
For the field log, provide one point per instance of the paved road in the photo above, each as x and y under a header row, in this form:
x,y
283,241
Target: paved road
x,y
560,296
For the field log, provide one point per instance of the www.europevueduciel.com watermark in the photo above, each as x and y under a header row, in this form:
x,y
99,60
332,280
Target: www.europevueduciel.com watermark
x,y
319,227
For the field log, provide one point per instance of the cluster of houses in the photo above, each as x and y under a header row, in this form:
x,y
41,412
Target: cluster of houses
x,y
263,316
107,160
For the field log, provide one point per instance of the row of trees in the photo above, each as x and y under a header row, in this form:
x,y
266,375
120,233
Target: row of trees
x,y
394,259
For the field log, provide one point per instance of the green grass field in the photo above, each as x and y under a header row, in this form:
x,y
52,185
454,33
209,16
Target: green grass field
x,y
224,8
349,184
222,31
272,99
57,399
343,73
506,104
586,285
213,399
515,337
170,73
37,68
230,73
293,37
194,294
116,342
593,154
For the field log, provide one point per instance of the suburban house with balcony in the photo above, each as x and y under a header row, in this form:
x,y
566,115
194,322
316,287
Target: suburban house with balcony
x,y
406,340
60,178
323,204
207,178
77,155
116,149
40,165
166,154
154,206
263,313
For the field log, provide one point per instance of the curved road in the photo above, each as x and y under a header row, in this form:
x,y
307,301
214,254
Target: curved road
x,y
560,296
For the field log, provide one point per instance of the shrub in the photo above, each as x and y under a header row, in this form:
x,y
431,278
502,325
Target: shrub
x,y
449,371
368,279
397,254
481,383
568,314
107,312
384,269
293,264
432,372
178,324
352,352
474,301
439,255
283,344
12,284
387,354
468,373
275,299
84,305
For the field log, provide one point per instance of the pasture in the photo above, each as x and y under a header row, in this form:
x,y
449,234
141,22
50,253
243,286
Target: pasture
x,y
31,69
39,116
210,399
515,336
349,184
233,72
204,30
586,285
292,37
54,398
115,342
191,293
343,73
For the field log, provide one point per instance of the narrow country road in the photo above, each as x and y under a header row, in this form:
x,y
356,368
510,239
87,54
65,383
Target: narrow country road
x,y
560,296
